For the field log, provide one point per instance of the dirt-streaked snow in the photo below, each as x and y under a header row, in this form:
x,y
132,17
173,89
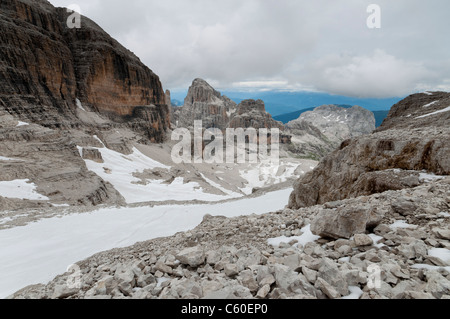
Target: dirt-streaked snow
x,y
441,253
7,159
22,124
118,169
265,174
307,237
430,104
401,224
38,252
21,189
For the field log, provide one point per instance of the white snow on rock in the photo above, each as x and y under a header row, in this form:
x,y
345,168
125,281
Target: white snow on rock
x,y
401,224
7,159
344,259
22,124
118,169
160,281
79,105
21,189
376,239
307,237
427,178
265,174
38,252
355,293
60,205
430,104
441,253
219,187
447,109
99,140
430,267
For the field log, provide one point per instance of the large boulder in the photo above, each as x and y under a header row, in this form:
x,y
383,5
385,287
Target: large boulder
x,y
342,223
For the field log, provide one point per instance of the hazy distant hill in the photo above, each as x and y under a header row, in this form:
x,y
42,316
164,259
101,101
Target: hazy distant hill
x,y
287,106
286,118
380,116
279,103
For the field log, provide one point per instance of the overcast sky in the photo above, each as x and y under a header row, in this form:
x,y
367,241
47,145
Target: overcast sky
x,y
285,44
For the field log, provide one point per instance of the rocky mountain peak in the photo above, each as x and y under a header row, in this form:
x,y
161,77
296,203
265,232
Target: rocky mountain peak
x,y
335,121
205,103
251,113
319,132
248,106
201,92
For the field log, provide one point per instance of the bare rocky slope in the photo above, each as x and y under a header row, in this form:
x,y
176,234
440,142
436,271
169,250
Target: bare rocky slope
x,y
377,243
231,258
317,133
413,138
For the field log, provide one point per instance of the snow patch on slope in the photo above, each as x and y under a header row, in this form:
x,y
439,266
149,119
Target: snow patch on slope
x,y
21,189
118,169
447,109
307,237
38,252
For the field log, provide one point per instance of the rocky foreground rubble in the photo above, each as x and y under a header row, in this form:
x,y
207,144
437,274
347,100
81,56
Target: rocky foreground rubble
x,y
389,245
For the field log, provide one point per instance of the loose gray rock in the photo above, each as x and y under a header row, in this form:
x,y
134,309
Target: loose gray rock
x,y
343,223
63,291
329,272
263,292
231,270
362,240
327,289
194,256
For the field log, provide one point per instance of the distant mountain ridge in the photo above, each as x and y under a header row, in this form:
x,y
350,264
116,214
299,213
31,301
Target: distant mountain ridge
x,y
288,106
279,103
380,116
215,110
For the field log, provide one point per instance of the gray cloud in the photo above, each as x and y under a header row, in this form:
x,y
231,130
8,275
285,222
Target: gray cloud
x,y
290,44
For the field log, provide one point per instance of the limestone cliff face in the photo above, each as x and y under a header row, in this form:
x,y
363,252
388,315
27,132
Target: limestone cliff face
x,y
414,138
204,103
109,77
37,78
45,66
